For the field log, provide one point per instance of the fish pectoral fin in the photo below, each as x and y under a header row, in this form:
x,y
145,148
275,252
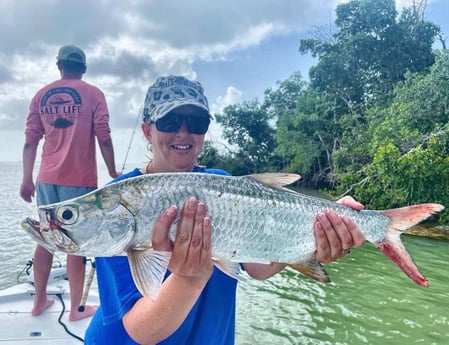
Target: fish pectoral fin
x,y
230,268
148,269
311,268
276,180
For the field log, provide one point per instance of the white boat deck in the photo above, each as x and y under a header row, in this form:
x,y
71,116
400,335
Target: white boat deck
x,y
18,327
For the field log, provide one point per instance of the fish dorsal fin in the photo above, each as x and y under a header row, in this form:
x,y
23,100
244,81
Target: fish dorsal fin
x,y
276,180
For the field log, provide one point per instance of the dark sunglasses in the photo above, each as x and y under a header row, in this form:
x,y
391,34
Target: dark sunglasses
x,y
172,122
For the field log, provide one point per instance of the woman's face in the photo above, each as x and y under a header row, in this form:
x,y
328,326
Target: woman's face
x,y
176,151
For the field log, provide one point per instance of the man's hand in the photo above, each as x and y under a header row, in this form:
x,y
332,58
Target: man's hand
x,y
27,190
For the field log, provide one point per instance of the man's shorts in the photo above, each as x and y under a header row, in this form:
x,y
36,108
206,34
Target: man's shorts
x,y
51,193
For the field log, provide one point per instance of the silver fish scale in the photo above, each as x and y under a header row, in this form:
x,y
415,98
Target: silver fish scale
x,y
251,222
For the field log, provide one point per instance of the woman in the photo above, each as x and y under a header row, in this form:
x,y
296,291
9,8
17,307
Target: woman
x,y
196,302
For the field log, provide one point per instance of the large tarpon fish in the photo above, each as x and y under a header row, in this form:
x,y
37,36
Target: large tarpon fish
x,y
254,218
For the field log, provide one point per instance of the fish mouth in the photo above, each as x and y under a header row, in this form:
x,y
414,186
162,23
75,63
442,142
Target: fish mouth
x,y
52,238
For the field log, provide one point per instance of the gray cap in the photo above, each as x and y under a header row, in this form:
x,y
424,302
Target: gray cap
x,y
71,53
171,92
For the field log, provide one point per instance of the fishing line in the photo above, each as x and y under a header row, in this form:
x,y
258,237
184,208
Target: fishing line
x,y
131,139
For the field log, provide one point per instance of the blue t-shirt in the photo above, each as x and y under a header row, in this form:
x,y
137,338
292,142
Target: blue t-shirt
x,y
211,320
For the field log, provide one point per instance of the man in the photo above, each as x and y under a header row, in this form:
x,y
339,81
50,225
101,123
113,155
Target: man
x,y
69,113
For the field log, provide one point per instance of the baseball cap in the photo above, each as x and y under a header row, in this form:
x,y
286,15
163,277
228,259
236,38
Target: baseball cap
x,y
171,92
71,53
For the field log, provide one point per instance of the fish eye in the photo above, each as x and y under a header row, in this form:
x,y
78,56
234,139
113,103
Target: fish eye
x,y
67,214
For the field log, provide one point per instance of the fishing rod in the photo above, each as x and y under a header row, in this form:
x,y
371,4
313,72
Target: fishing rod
x,y
131,139
87,286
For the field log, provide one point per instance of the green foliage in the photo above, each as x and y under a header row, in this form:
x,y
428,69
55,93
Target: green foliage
x,y
211,157
395,180
419,110
283,100
370,52
247,127
410,146
305,137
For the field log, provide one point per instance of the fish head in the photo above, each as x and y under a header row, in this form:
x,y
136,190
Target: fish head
x,y
95,224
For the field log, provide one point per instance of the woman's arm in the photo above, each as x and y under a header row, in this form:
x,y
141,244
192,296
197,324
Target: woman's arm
x,y
150,321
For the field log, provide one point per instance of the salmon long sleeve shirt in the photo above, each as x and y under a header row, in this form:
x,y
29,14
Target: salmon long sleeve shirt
x,y
69,113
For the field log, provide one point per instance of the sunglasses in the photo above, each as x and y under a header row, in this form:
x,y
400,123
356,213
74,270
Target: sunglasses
x,y
172,122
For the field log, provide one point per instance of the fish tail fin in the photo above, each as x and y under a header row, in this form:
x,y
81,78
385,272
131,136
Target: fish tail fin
x,y
311,268
148,268
402,219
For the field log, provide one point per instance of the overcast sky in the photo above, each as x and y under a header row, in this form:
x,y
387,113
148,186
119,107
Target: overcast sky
x,y
235,48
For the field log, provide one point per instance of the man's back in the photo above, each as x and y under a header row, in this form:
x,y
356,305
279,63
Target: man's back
x,y
69,113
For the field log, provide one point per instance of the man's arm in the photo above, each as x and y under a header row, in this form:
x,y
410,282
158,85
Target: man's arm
x,y
27,188
107,151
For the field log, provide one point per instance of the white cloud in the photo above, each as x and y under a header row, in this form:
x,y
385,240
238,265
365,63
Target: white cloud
x,y
231,97
128,44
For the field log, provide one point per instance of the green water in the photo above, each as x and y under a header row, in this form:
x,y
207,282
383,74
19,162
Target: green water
x,y
370,301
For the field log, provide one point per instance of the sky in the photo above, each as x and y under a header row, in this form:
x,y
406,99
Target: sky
x,y
236,48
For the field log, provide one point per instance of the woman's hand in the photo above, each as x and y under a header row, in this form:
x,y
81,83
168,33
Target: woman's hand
x,y
336,233
191,257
